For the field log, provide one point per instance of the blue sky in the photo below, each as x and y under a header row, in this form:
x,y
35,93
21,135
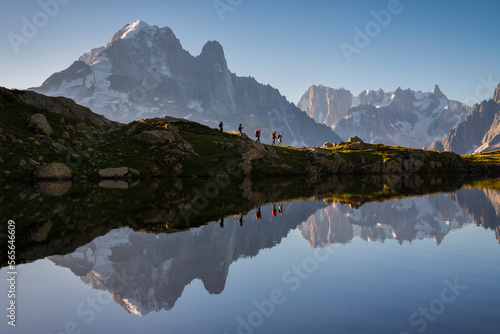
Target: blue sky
x,y
287,44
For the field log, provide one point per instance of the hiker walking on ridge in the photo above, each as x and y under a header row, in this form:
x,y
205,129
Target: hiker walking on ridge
x,y
221,125
258,213
280,137
273,136
240,129
257,134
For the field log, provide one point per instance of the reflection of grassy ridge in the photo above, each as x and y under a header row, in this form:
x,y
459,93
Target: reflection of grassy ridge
x,y
383,188
487,184
47,225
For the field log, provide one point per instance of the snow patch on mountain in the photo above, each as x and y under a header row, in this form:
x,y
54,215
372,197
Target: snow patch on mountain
x,y
134,28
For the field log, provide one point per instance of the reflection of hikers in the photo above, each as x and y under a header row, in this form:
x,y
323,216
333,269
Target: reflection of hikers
x,y
257,134
273,136
280,137
273,211
240,220
258,214
221,224
221,125
240,129
280,209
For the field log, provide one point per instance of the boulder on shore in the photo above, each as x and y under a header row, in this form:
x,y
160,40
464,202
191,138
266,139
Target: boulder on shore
x,y
53,171
111,173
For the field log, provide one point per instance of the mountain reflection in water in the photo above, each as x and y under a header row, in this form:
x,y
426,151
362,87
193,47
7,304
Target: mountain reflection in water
x,y
157,267
187,258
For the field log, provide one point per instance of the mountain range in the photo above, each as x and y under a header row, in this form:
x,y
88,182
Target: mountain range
x,y
479,132
144,72
402,117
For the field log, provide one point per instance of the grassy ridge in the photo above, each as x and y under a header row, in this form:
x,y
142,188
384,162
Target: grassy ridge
x,y
192,149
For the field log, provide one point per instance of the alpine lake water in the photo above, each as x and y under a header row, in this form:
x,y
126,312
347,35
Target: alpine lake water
x,y
336,255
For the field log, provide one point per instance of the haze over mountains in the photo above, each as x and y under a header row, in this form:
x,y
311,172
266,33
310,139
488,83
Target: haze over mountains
x,y
403,117
144,72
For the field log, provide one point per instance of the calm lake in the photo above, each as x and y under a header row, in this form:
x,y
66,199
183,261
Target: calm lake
x,y
338,255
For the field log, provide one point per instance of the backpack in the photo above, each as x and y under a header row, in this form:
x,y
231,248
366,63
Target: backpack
x,y
273,135
257,133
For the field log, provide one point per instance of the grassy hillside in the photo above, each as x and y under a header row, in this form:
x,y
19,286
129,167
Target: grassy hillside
x,y
88,143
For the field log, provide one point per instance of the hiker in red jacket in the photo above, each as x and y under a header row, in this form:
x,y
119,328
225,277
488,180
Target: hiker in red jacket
x,y
257,134
273,136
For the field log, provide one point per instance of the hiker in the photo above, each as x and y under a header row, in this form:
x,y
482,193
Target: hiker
x,y
258,214
240,129
280,137
273,136
280,209
273,211
221,126
257,134
221,224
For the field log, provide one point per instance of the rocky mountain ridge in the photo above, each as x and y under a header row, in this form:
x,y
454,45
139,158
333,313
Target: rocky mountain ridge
x,y
479,132
403,117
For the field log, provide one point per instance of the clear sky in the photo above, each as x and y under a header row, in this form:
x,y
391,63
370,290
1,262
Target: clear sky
x,y
355,44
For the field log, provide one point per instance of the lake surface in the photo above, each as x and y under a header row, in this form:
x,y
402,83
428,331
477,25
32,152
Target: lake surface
x,y
384,255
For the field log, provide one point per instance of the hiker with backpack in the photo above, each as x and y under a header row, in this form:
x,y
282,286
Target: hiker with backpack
x,y
280,137
273,136
257,134
240,129
221,126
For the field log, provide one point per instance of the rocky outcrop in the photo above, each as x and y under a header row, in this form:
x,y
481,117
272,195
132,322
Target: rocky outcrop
x,y
57,105
39,123
53,171
156,137
110,173
355,140
496,95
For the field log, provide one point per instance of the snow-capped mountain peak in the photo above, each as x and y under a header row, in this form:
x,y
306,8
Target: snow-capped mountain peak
x,y
129,31
132,29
